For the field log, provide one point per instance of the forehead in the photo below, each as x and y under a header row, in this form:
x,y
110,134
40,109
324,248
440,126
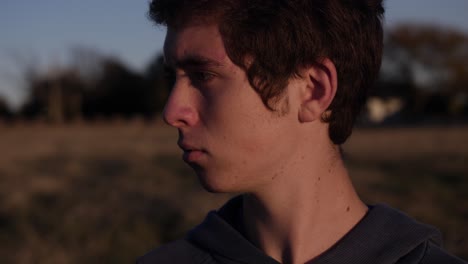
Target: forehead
x,y
194,40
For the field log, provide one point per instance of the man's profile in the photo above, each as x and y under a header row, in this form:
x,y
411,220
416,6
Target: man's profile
x,y
265,93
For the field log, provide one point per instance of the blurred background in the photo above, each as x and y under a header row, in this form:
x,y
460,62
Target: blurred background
x,y
89,172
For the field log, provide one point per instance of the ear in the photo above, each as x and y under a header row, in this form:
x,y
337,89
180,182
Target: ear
x,y
320,89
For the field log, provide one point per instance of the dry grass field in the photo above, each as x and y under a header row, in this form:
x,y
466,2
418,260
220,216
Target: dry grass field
x,y
106,193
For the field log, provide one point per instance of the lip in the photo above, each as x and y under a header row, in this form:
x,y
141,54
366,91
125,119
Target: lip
x,y
191,154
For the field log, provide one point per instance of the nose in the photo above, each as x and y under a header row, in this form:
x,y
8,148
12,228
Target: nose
x,y
180,110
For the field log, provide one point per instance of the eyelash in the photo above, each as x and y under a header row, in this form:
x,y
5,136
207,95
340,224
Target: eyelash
x,y
200,76
169,75
197,78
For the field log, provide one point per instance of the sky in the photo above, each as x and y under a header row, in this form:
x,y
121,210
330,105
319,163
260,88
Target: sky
x,y
45,31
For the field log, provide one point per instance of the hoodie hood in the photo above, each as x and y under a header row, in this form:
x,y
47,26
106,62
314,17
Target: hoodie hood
x,y
219,234
383,236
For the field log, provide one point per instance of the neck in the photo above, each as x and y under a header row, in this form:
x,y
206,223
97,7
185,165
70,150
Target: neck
x,y
303,213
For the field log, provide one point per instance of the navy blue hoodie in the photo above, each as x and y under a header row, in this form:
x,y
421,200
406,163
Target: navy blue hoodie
x,y
383,236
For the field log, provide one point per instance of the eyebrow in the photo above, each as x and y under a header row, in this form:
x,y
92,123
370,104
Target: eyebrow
x,y
196,61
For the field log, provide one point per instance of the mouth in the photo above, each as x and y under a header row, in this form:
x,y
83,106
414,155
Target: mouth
x,y
191,154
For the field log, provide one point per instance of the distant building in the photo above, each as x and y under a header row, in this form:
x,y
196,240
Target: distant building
x,y
379,109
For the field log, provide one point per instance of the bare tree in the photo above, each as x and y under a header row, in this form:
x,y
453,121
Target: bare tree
x,y
430,62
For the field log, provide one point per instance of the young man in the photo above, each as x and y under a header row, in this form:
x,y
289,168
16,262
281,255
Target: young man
x,y
265,93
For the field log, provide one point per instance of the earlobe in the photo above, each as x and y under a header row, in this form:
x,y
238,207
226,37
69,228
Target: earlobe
x,y
319,91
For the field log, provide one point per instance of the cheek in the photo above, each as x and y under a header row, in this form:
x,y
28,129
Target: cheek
x,y
251,138
235,130
236,118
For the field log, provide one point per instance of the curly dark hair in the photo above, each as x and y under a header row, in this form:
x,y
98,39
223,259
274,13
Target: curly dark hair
x,y
284,35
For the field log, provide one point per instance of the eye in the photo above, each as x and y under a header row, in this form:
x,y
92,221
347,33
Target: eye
x,y
169,74
201,76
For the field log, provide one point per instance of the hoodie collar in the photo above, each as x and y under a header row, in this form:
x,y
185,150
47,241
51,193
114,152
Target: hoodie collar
x,y
384,235
217,234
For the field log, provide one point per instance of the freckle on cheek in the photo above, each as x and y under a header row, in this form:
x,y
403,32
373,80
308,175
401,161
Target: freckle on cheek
x,y
347,209
274,176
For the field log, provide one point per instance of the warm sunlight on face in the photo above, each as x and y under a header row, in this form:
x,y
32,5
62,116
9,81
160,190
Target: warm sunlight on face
x,y
227,134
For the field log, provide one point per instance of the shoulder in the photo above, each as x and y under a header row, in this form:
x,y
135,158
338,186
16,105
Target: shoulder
x,y
423,242
179,251
387,235
429,253
435,254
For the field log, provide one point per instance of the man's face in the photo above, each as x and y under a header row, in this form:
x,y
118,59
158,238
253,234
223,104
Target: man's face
x,y
233,142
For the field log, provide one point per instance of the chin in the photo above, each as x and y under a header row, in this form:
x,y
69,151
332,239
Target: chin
x,y
215,186
216,183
